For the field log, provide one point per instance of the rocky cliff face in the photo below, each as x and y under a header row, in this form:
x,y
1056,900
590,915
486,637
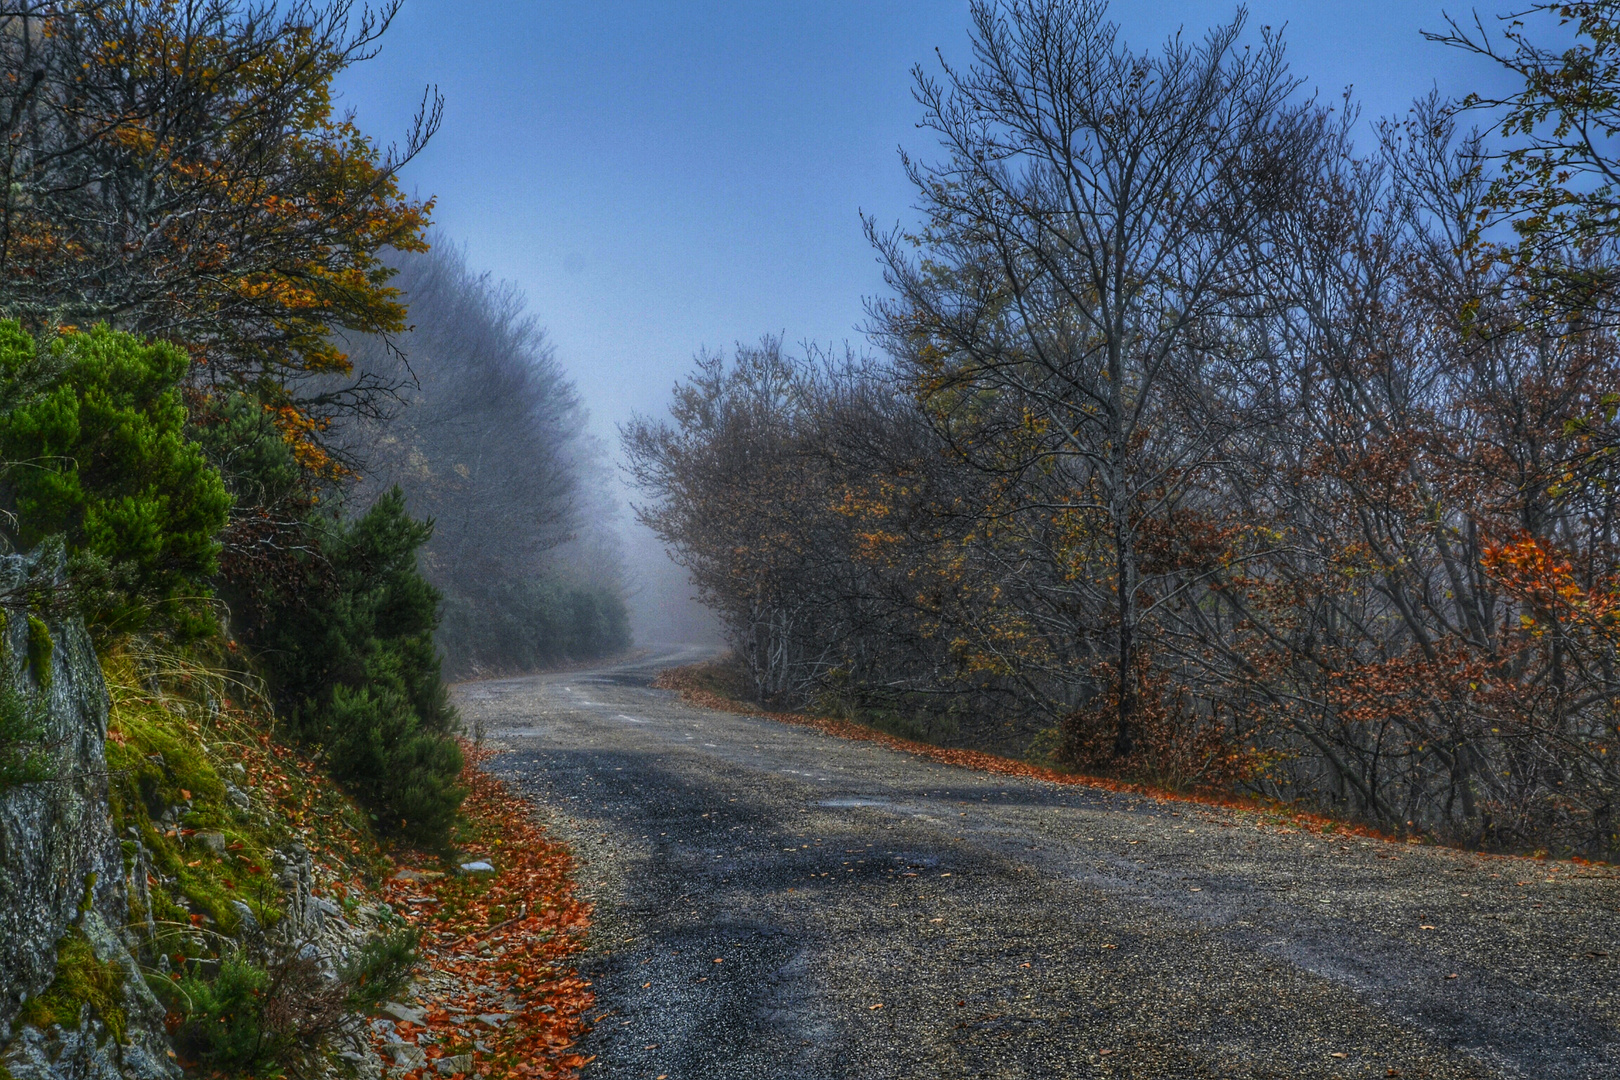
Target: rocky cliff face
x,y
63,886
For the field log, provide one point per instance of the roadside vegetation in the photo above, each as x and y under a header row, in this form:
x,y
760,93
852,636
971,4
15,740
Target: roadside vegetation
x,y
225,356
1211,444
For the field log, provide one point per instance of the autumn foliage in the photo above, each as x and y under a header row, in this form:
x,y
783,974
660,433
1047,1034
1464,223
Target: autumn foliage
x,y
178,168
1277,464
507,943
191,234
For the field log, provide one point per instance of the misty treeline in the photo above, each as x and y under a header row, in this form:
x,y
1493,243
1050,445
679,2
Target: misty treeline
x,y
1206,445
486,437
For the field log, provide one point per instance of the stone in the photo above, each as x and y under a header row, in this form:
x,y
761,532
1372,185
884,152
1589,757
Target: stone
x,y
405,1055
494,1019
250,921
61,866
213,841
478,867
455,1063
408,874
238,798
393,1010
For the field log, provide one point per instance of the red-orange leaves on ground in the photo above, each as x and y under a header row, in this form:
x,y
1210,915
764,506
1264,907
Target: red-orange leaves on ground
x,y
499,948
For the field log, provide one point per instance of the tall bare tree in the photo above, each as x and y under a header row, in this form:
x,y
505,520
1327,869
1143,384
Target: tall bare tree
x,y
1092,240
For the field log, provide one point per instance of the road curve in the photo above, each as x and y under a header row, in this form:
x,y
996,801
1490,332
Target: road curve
x,y
775,902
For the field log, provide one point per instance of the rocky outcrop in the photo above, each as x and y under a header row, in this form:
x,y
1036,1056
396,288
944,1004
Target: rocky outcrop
x,y
62,873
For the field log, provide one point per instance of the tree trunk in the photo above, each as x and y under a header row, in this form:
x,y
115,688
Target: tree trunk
x,y
1125,730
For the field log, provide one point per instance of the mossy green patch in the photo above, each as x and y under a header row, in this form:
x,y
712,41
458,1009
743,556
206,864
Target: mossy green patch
x,y
80,980
165,785
40,651
174,736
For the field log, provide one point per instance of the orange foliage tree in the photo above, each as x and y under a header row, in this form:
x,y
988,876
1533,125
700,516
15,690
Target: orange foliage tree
x,y
175,168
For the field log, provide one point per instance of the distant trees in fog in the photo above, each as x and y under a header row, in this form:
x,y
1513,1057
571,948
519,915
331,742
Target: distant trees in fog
x,y
487,438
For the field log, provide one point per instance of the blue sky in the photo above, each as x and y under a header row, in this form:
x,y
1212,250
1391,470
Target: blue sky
x,y
660,177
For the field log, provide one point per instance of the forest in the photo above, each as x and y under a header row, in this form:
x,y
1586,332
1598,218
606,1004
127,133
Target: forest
x,y
1212,436
1223,485
276,464
268,414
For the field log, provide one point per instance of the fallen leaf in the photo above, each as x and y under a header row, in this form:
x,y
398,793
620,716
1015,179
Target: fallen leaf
x,y
1339,1054
1453,975
879,1005
1425,926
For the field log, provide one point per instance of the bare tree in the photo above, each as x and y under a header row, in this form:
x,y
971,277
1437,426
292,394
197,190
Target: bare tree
x,y
1098,225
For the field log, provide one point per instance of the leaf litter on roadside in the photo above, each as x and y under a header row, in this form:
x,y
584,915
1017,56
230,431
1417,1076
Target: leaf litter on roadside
x,y
500,948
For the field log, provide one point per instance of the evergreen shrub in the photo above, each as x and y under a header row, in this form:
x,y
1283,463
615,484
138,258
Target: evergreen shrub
x,y
92,433
349,654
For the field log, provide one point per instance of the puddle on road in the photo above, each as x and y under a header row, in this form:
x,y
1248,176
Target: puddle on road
x,y
851,800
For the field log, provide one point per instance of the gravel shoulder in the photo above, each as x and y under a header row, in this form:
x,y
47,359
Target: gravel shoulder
x,y
773,901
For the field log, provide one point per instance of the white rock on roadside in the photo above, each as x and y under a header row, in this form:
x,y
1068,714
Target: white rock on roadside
x,y
457,1063
393,1010
406,1056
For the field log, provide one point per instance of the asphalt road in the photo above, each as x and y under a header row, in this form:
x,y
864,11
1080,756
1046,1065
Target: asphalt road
x,y
775,902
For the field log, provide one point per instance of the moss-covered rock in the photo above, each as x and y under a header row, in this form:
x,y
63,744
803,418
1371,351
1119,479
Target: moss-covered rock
x,y
168,798
54,837
84,985
68,1006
